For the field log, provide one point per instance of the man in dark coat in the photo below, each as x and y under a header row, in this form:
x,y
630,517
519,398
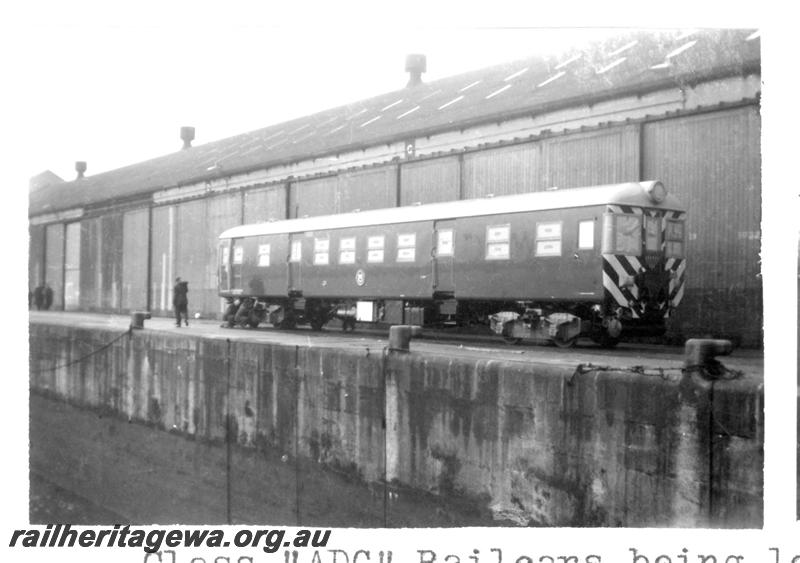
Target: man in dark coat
x,y
48,296
180,301
38,297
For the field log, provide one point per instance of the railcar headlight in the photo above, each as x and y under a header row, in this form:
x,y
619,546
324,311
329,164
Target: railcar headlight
x,y
656,191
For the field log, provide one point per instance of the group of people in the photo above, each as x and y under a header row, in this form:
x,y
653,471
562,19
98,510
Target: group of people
x,y
41,297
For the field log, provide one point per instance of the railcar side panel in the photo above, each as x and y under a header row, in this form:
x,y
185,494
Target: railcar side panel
x,y
264,267
382,261
529,255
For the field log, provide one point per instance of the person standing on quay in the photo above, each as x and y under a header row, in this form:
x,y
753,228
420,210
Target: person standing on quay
x,y
180,301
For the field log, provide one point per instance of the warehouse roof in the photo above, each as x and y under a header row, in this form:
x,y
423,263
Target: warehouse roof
x,y
628,64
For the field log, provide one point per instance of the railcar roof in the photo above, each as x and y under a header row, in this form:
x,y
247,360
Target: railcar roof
x,y
631,193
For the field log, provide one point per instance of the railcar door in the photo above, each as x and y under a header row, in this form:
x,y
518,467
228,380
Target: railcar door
x,y
224,271
295,275
237,261
443,256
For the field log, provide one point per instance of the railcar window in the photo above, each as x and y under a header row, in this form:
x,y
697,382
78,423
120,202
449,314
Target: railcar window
x,y
652,227
263,255
375,249
321,248
586,235
548,239
226,253
406,247
498,238
622,234
675,230
296,253
674,239
238,254
444,242
347,250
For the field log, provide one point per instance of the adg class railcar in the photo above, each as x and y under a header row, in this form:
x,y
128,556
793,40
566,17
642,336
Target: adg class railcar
x,y
604,262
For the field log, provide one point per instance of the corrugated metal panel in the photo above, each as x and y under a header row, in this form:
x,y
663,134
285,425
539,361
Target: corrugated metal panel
x,y
185,239
192,233
36,259
712,162
313,197
223,212
502,171
134,259
54,263
161,258
101,263
374,188
577,159
91,242
265,204
587,159
111,260
429,181
72,267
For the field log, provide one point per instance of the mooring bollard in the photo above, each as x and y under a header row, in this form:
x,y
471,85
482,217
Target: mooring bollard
x,y
138,317
702,352
400,337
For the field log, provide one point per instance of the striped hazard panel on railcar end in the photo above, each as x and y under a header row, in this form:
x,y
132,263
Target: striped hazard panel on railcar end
x,y
619,267
675,266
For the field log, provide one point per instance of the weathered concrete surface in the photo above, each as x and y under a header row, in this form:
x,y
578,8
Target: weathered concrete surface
x,y
524,442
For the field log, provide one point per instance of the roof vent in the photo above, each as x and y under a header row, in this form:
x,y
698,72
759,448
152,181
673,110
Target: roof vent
x,y
187,135
416,64
80,168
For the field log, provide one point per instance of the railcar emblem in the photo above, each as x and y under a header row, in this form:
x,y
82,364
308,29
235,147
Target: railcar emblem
x,y
361,277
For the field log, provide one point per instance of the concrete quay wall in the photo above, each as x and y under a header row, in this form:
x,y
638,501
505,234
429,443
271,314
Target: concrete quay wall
x,y
529,443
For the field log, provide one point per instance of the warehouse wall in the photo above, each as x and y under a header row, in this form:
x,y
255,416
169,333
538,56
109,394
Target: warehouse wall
x,y
135,248
265,204
72,266
712,163
430,181
101,263
710,160
565,161
372,188
36,257
54,262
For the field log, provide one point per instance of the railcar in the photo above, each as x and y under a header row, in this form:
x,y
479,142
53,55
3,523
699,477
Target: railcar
x,y
605,262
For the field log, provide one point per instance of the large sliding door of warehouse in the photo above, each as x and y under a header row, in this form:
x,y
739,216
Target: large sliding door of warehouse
x,y
54,263
135,248
72,267
712,163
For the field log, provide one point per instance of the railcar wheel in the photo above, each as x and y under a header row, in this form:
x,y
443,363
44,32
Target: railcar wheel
x,y
565,342
512,339
253,323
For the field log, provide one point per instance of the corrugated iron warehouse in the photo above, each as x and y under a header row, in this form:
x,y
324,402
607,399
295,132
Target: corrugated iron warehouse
x,y
679,107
